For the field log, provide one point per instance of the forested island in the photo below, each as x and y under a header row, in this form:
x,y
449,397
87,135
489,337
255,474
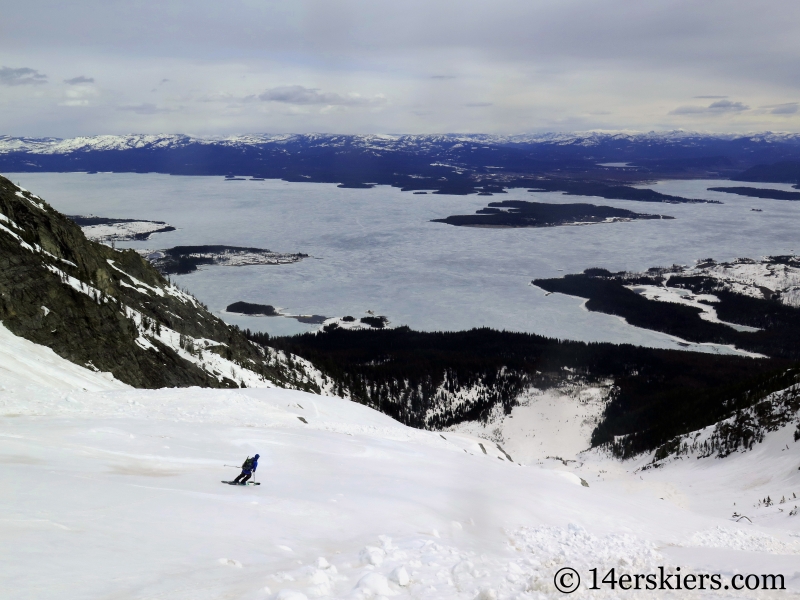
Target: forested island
x,y
255,310
754,192
752,305
520,213
182,260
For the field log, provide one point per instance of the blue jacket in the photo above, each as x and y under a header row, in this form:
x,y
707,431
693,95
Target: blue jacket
x,y
254,467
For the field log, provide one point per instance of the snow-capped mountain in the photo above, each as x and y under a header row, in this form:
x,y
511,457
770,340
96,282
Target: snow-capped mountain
x,y
387,142
392,158
450,163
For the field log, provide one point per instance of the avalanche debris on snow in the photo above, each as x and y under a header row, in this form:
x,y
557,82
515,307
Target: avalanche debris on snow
x,y
741,539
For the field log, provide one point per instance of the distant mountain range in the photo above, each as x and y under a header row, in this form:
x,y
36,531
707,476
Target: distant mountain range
x,y
598,140
449,163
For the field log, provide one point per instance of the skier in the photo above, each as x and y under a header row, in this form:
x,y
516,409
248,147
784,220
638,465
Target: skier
x,y
248,468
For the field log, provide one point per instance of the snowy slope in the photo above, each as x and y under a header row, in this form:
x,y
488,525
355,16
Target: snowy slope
x,y
555,423
722,487
24,364
117,493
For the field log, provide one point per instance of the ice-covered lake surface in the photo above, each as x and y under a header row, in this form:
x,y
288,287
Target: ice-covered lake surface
x,y
376,249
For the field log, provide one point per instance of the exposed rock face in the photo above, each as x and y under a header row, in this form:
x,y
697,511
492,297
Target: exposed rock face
x,y
112,311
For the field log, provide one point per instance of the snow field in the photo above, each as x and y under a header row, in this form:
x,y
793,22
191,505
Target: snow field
x,y
107,491
118,492
721,487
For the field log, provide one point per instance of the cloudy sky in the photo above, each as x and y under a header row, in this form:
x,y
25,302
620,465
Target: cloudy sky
x,y
403,66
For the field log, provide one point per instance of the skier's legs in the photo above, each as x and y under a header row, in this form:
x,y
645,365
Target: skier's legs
x,y
239,477
246,477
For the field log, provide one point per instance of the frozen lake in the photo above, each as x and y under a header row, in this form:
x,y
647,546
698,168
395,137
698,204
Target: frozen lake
x,y
375,249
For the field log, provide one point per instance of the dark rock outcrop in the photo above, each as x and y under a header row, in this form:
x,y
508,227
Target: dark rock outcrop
x,y
112,311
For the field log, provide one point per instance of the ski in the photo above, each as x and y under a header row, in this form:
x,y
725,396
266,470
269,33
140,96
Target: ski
x,y
248,483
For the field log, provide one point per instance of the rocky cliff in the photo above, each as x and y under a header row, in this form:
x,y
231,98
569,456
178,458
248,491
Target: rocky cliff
x,y
111,311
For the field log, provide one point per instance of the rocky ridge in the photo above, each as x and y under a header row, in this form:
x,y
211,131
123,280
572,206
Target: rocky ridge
x,y
111,311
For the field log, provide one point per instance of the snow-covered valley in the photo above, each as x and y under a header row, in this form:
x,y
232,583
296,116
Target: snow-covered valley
x,y
114,492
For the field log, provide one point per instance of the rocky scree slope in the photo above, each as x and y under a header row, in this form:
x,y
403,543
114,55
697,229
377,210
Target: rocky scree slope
x,y
111,311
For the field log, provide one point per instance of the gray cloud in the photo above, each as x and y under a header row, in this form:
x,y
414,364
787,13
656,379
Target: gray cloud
x,y
478,104
145,109
443,77
727,106
709,97
297,94
715,108
21,76
788,108
79,79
